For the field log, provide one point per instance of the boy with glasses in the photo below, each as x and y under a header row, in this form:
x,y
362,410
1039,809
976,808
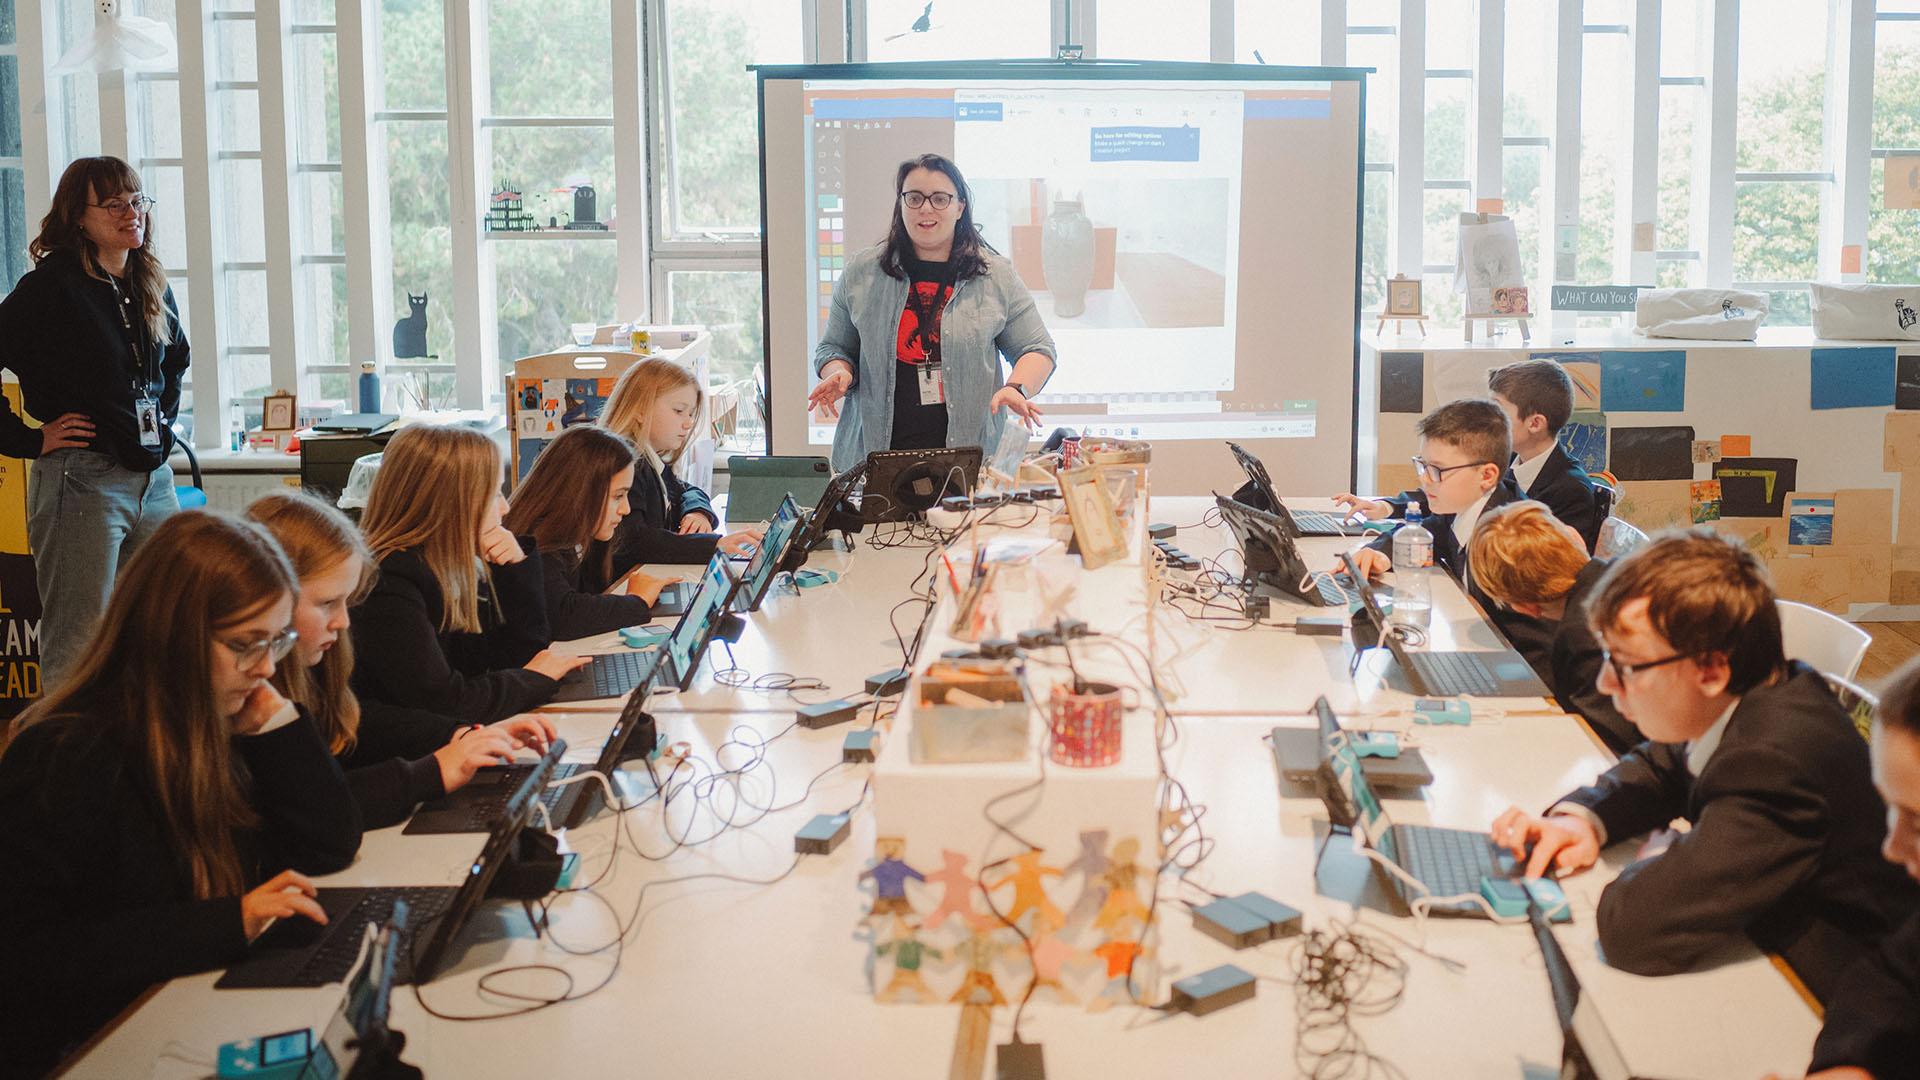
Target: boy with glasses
x,y
1752,750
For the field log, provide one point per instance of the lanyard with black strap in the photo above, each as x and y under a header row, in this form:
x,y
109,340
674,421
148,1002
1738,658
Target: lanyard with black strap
x,y
146,411
927,312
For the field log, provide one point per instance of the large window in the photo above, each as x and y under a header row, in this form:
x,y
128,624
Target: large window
x,y
1893,233
13,196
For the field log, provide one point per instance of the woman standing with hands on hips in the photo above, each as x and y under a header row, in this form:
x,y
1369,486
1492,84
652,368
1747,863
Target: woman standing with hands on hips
x,y
94,336
918,326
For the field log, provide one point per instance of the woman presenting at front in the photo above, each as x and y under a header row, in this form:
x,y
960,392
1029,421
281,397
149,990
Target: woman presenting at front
x,y
918,326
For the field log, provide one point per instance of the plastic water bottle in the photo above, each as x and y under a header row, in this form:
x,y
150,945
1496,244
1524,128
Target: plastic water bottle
x,y
1412,562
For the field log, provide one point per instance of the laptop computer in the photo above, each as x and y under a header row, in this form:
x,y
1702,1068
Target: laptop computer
x,y
1259,489
1449,673
1298,752
1445,862
299,952
757,485
615,674
767,557
1588,1051
1274,566
356,1041
474,807
904,484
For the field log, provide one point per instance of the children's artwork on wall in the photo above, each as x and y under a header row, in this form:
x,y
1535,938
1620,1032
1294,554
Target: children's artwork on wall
x,y
1904,588
1706,451
542,408
890,874
1853,378
1809,520
1863,516
1652,453
1584,438
1752,487
1655,504
1765,537
1645,380
1736,446
1705,500
1869,569
1820,581
1906,381
1583,368
1901,452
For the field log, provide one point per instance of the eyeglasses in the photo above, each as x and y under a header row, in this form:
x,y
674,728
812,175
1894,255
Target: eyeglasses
x,y
1427,470
249,653
137,203
1621,671
917,199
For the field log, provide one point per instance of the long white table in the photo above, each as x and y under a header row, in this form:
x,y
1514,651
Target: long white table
x,y
723,978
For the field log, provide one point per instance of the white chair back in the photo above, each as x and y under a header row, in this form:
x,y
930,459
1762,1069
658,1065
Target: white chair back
x,y
1830,643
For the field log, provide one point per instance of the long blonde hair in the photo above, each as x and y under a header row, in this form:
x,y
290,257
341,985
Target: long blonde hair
x,y
316,538
629,408
431,492
85,180
146,680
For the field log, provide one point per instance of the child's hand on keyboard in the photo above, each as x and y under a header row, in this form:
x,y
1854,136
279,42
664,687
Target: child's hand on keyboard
x,y
460,759
1371,509
646,586
530,729
556,666
289,893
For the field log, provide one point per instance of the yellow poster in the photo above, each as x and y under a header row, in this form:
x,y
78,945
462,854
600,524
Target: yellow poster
x,y
13,490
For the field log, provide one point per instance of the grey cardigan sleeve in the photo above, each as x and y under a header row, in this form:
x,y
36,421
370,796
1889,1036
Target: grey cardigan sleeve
x,y
841,340
1024,332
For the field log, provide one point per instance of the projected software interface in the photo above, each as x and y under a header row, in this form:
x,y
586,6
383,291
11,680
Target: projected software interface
x,y
1157,227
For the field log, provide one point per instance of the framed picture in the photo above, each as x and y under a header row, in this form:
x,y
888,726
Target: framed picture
x,y
1403,297
1510,300
277,412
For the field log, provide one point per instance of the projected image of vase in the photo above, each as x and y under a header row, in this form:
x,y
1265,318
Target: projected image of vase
x,y
1066,256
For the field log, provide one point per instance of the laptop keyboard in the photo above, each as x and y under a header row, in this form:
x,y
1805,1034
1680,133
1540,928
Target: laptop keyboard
x,y
613,674
1448,673
299,952
1329,590
484,810
1318,521
341,947
1450,862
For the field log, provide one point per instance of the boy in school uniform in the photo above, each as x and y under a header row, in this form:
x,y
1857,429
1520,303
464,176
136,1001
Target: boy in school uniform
x,y
1872,1026
1537,396
1751,749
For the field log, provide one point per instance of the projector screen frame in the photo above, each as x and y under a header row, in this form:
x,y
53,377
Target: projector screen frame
x,y
1105,69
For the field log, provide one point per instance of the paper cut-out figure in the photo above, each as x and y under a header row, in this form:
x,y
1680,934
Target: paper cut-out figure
x,y
1049,955
1092,865
908,951
1121,901
979,952
957,897
1120,954
1029,889
890,876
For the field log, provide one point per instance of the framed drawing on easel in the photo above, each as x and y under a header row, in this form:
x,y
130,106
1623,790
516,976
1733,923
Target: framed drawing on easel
x,y
1403,305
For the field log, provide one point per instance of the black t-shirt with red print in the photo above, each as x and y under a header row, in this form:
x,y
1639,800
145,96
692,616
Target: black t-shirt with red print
x,y
917,426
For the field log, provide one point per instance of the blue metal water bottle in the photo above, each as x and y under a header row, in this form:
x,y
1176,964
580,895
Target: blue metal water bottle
x,y
369,388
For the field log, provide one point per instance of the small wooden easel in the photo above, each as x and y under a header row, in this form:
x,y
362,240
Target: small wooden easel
x,y
1400,323
1520,317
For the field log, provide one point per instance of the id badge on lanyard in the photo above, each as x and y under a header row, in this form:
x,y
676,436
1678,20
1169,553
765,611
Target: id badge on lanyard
x,y
933,385
932,377
146,411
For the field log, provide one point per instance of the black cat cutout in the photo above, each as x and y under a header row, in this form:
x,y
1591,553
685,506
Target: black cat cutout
x,y
410,333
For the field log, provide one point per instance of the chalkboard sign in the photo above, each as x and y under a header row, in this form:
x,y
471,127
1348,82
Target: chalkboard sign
x,y
1595,297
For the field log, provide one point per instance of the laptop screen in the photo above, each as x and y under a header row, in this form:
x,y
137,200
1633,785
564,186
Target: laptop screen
x,y
689,638
766,560
1256,471
1371,818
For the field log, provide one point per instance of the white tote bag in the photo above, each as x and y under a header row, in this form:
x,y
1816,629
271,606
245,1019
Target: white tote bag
x,y
1706,314
1867,312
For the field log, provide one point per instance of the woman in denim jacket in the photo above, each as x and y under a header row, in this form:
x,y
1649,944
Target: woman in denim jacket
x,y
919,325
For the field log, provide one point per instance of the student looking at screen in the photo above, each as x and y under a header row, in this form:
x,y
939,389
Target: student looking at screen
x,y
653,406
334,570
571,504
1872,1029
456,623
164,804
1526,560
918,326
1752,749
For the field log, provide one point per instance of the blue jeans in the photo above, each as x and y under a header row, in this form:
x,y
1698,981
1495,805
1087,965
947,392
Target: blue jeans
x,y
85,516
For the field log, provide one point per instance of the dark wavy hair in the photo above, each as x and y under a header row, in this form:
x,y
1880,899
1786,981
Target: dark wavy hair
x,y
966,259
85,180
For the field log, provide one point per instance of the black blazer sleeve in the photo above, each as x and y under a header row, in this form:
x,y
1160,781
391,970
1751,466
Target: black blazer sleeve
x,y
308,817
687,499
1873,1023
645,536
1760,834
391,731
398,660
577,614
174,363
520,592
1563,486
387,792
1574,675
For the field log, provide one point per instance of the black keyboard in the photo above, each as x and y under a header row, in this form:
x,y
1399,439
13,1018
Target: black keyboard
x,y
477,806
1449,673
1449,862
1329,590
300,952
674,598
614,674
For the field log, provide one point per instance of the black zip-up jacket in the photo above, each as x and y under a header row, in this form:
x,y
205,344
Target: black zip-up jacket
x,y
94,904
402,657
60,333
577,603
650,533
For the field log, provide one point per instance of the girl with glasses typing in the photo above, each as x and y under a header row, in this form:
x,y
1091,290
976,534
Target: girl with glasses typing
x,y
93,334
395,758
918,329
165,804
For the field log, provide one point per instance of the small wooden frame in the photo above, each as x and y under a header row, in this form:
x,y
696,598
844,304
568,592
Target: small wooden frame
x,y
1403,305
279,412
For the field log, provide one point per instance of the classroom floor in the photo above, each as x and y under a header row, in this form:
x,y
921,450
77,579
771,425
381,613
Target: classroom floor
x,y
1894,643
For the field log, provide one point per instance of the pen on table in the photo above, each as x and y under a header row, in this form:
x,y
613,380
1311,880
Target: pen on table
x,y
952,577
